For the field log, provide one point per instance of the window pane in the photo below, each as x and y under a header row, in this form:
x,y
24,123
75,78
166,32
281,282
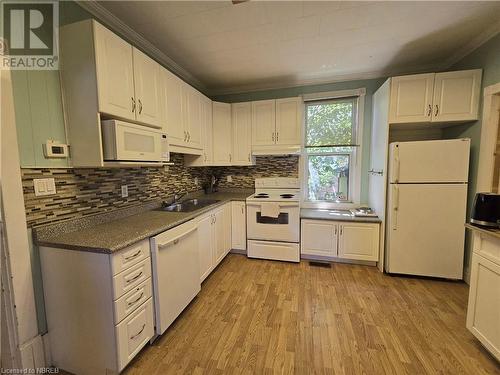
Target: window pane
x,y
328,177
330,123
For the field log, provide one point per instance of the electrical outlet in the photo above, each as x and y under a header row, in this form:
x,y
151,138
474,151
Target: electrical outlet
x,y
124,191
229,178
44,186
196,180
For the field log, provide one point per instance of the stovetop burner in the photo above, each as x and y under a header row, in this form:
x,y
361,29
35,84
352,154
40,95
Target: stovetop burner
x,y
286,196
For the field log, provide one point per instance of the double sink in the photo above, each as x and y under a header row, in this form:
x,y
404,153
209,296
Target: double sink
x,y
188,205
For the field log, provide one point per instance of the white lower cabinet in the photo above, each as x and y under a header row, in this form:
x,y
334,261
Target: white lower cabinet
x,y
99,307
340,239
483,313
214,238
238,225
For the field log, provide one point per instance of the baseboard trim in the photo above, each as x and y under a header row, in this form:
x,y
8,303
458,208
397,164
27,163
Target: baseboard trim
x,y
307,257
238,251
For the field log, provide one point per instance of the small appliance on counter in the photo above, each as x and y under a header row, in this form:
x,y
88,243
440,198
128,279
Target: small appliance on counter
x,y
486,210
363,212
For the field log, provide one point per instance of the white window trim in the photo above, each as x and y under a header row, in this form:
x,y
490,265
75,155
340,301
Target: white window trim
x,y
358,162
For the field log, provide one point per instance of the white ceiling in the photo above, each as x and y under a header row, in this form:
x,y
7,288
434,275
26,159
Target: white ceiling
x,y
263,44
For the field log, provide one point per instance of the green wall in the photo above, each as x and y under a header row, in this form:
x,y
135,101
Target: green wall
x,y
370,85
486,57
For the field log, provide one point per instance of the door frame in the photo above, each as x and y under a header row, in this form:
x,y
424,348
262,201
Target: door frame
x,y
489,132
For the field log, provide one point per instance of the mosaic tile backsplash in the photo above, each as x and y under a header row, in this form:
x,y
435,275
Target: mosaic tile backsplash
x,y
82,192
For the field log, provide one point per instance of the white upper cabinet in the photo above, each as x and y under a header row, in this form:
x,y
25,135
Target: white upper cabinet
x,y
148,93
206,134
263,122
456,95
242,133
435,97
411,98
222,134
115,73
173,120
288,121
193,127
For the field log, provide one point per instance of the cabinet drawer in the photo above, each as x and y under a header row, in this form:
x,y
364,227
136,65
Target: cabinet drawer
x,y
487,246
132,300
133,333
129,256
129,279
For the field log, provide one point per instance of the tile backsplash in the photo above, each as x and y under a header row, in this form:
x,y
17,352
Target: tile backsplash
x,y
88,191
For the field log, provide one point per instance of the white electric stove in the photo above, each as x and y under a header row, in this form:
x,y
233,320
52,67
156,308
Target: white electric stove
x,y
273,219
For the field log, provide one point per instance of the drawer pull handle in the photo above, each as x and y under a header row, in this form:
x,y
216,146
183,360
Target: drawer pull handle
x,y
133,256
135,277
138,333
136,300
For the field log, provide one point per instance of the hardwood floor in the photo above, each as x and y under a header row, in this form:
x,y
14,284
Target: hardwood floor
x,y
260,317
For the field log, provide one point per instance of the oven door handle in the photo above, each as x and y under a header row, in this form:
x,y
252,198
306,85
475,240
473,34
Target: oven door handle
x,y
285,204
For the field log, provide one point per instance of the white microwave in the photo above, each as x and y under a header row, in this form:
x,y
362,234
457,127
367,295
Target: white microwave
x,y
123,141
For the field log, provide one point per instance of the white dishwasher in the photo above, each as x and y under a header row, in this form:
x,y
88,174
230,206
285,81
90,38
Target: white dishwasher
x,y
176,272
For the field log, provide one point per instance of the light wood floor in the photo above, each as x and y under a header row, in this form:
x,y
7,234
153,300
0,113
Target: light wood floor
x,y
260,317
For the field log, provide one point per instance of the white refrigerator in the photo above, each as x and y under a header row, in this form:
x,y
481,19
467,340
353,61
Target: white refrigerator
x,y
427,200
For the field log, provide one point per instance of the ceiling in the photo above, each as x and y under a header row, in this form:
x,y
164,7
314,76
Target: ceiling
x,y
264,44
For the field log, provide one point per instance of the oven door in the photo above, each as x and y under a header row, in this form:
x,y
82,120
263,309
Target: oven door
x,y
285,227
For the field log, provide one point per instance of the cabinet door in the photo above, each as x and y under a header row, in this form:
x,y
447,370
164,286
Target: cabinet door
x,y
263,122
456,96
115,74
221,133
227,227
288,121
239,226
220,237
193,117
319,237
207,126
359,241
483,312
206,246
411,98
242,133
173,120
147,89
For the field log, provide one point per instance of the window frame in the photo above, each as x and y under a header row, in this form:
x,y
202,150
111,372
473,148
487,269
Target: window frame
x,y
355,165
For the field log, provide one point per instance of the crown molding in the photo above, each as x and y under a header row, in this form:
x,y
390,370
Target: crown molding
x,y
118,26
474,44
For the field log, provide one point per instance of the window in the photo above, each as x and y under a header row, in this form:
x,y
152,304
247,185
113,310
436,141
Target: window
x,y
331,150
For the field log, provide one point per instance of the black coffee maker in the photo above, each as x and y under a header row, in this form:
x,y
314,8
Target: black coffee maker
x,y
486,210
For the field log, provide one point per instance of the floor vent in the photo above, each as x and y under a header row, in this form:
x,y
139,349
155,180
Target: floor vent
x,y
320,264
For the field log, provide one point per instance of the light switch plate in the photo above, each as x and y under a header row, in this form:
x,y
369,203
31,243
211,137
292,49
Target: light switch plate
x,y
229,178
44,186
124,191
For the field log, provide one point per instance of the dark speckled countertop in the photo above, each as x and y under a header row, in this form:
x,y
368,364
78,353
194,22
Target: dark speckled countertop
x,y
101,236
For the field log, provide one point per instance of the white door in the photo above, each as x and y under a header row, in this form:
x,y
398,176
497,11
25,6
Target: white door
x,y
242,133
148,93
263,122
227,227
173,121
194,117
207,131
206,245
239,226
379,150
220,236
319,237
288,121
430,161
115,74
411,98
222,138
425,229
359,241
456,96
483,313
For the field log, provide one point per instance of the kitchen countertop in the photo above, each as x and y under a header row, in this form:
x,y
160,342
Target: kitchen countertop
x,y
342,215
490,232
108,237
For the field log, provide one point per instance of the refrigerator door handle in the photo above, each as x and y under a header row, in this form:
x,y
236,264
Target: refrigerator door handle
x,y
395,206
395,170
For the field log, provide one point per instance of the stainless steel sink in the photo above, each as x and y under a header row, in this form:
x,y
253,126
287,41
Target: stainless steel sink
x,y
188,205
